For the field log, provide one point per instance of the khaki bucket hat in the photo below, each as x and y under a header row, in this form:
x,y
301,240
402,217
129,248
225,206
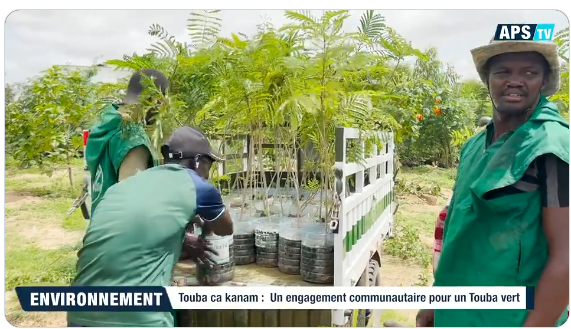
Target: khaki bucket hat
x,y
481,55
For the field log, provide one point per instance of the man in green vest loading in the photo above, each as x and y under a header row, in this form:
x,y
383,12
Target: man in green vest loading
x,y
111,154
136,235
508,221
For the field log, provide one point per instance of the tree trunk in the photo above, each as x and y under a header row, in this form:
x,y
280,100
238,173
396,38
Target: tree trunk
x,y
70,173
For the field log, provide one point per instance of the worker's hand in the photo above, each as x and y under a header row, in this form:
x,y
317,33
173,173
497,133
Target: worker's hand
x,y
198,221
425,318
205,227
197,249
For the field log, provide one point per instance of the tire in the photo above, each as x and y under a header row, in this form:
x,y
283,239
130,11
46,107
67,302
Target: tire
x,y
374,277
362,318
359,318
374,270
373,280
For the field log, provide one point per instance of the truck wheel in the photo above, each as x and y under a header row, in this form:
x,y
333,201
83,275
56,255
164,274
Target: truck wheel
x,y
360,318
374,273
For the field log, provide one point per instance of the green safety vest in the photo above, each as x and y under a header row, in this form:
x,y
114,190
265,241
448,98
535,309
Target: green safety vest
x,y
135,239
498,242
106,149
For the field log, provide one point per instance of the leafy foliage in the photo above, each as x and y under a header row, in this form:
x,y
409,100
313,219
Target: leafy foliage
x,y
290,85
204,27
562,96
44,125
9,94
294,84
310,71
562,40
151,99
407,245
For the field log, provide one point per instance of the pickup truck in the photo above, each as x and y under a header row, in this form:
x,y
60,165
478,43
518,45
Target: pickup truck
x,y
362,219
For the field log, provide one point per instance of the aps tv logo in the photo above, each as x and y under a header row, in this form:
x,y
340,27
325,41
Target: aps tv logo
x,y
525,32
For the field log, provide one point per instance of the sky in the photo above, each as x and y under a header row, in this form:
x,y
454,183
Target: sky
x,y
37,39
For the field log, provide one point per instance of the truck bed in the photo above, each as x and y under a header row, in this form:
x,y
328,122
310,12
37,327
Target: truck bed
x,y
244,275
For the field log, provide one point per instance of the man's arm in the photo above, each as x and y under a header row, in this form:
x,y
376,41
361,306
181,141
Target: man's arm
x,y
136,160
552,291
220,226
211,209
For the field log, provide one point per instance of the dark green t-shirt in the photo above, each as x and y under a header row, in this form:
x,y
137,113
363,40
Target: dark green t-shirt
x,y
135,237
106,148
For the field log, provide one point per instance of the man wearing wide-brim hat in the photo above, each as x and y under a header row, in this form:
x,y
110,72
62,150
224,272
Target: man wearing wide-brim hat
x,y
508,221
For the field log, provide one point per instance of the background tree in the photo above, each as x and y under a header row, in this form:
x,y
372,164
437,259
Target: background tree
x,y
562,96
284,85
44,125
9,94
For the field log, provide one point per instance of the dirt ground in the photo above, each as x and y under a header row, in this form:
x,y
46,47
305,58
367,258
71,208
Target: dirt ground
x,y
38,235
44,236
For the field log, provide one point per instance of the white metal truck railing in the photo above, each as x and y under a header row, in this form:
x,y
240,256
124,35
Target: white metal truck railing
x,y
366,215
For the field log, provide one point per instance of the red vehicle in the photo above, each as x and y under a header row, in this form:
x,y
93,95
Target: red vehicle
x,y
438,233
84,200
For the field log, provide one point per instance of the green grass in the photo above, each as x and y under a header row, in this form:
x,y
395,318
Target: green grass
x,y
44,182
49,212
417,220
398,317
430,175
29,265
423,222
26,261
407,245
42,185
